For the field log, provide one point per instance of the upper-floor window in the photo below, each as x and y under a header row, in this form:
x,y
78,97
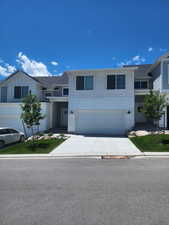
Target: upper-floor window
x,y
84,83
20,91
116,81
65,91
141,84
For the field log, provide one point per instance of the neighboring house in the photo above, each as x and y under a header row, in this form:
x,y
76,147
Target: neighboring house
x,y
103,101
52,91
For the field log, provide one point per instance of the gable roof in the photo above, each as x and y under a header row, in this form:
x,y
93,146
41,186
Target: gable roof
x,y
13,74
142,70
53,80
46,81
165,56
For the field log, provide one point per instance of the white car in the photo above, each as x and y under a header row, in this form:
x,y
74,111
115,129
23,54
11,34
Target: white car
x,y
10,135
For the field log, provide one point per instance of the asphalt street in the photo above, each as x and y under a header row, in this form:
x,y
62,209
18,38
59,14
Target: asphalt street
x,y
84,192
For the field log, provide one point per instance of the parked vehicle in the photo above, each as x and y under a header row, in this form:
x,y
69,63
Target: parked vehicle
x,y
10,135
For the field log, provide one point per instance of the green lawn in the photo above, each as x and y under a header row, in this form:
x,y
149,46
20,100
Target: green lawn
x,y
152,143
42,146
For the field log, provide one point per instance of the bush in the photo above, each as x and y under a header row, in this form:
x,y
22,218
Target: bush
x,y
62,135
40,134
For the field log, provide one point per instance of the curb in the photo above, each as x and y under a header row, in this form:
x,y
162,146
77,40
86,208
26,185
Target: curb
x,y
156,154
48,156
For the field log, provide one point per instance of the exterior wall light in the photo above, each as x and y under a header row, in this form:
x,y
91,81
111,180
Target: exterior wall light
x,y
129,112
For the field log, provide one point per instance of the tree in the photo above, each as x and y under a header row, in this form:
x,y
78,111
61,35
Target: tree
x,y
31,112
154,105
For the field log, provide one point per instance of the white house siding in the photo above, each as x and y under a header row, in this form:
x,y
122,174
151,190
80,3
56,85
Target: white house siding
x,y
20,79
10,116
156,73
100,98
163,120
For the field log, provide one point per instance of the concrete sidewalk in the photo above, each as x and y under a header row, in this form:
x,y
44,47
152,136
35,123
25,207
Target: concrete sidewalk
x,y
156,153
61,156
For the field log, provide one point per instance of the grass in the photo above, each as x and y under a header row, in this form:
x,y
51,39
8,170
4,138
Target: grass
x,y
152,143
41,146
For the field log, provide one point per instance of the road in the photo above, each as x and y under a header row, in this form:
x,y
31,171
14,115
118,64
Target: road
x,y
84,192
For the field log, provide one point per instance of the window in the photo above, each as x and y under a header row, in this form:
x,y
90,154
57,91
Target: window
x,y
20,91
48,94
141,84
12,131
4,131
66,91
84,83
116,81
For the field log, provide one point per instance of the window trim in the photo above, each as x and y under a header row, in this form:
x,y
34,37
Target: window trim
x,y
21,91
84,83
63,91
140,88
116,75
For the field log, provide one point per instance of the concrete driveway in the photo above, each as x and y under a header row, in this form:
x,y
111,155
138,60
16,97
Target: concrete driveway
x,y
79,145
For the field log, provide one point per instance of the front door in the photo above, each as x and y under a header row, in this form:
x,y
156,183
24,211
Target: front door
x,y
3,94
64,117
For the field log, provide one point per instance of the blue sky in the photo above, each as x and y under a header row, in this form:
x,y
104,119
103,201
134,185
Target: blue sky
x,y
80,34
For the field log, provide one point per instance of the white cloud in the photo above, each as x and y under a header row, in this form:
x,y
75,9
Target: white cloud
x,y
136,60
163,49
7,70
11,69
126,62
32,67
59,74
54,63
150,49
3,71
68,67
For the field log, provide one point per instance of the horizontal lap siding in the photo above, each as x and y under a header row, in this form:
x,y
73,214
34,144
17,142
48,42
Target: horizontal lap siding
x,y
101,99
10,116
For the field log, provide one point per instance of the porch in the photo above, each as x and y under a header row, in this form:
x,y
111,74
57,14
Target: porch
x,y
139,115
141,121
59,116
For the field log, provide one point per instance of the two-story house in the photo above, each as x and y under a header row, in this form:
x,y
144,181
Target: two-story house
x,y
100,101
52,91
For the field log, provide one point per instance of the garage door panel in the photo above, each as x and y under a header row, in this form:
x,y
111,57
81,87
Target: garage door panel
x,y
100,122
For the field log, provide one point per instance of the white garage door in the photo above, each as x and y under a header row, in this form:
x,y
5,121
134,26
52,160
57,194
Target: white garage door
x,y
100,122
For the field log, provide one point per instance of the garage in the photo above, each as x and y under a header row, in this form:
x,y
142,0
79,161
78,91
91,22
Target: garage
x,y
110,122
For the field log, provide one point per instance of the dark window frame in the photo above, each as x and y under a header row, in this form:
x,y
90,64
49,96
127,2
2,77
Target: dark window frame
x,y
81,83
20,94
64,91
140,84
112,81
